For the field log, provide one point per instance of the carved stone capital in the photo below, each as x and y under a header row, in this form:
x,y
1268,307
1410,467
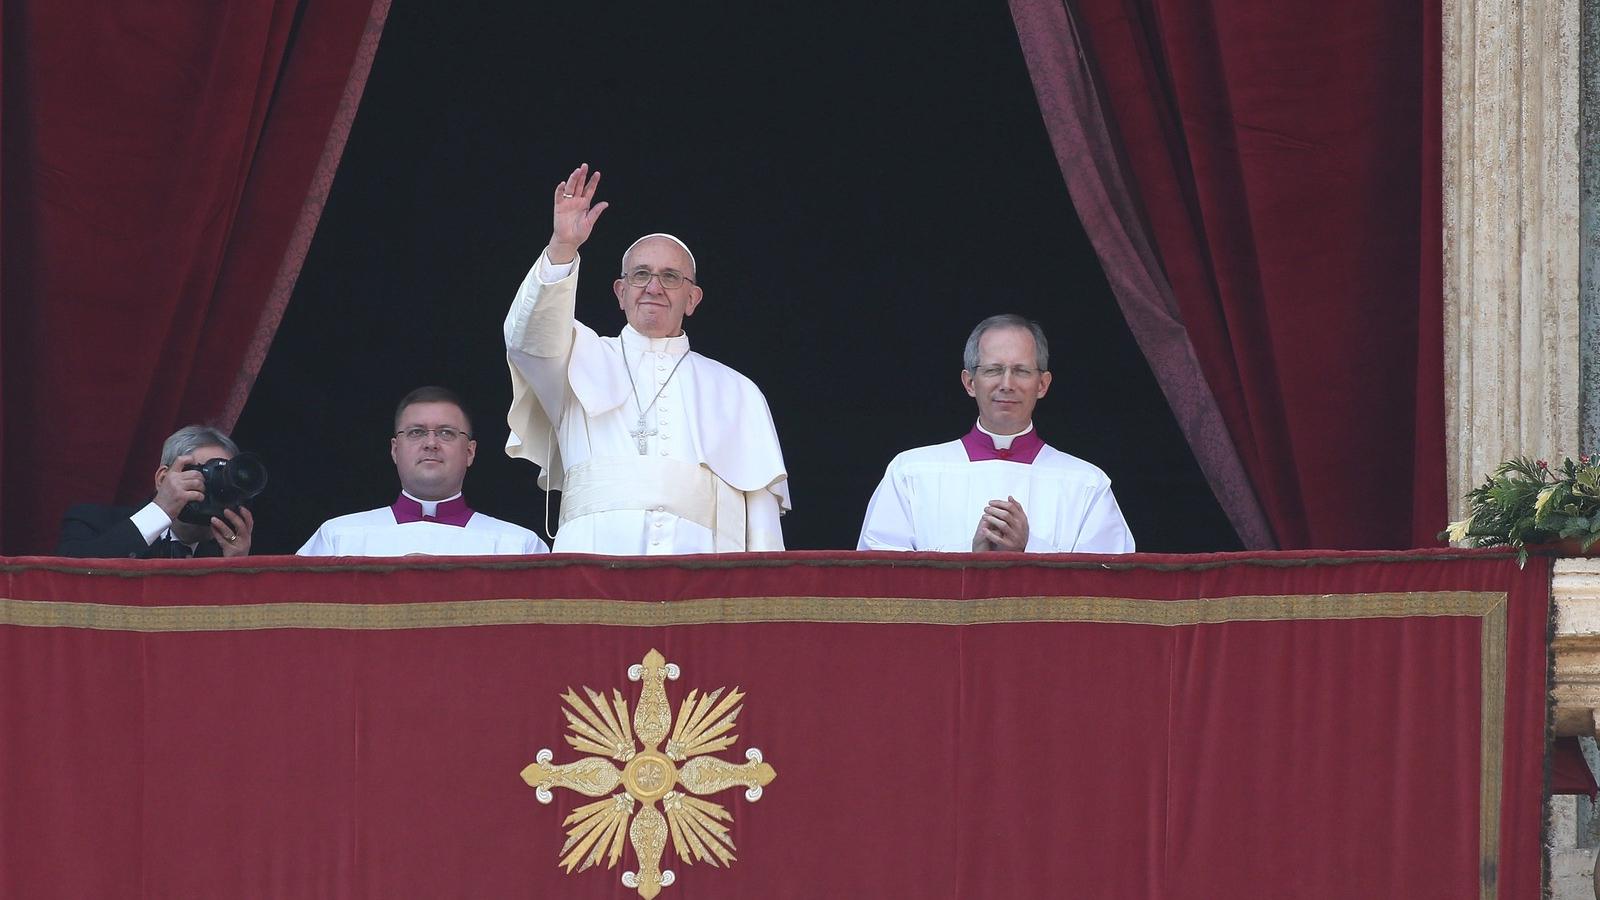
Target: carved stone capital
x,y
1575,589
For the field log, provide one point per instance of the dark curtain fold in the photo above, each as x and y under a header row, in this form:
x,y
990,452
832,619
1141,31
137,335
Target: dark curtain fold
x,y
163,167
1093,173
1429,497
1281,163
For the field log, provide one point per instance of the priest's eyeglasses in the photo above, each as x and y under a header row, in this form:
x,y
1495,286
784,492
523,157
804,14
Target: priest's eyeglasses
x,y
1018,373
670,279
417,434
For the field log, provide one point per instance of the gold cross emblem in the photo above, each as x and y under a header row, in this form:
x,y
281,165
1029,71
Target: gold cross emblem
x,y
673,775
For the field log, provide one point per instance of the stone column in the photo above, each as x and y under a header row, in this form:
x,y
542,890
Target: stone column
x,y
1511,299
1510,99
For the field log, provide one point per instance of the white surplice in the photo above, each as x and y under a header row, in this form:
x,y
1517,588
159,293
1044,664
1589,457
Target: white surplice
x,y
711,477
375,532
932,497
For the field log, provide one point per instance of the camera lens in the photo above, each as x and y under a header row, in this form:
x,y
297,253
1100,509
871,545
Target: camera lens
x,y
229,483
247,475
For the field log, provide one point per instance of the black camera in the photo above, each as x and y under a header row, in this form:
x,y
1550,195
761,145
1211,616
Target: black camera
x,y
229,483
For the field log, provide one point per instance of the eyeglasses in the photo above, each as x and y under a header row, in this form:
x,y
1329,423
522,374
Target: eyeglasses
x,y
417,434
670,279
1020,373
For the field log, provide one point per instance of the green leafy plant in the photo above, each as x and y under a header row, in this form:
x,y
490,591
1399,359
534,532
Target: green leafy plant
x,y
1526,502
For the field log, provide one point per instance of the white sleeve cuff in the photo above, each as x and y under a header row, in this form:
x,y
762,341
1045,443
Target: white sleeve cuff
x,y
549,273
151,521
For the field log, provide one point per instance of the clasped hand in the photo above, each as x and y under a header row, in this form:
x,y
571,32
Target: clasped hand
x,y
1003,526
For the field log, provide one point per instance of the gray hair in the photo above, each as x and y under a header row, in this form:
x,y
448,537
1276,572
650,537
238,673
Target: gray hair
x,y
190,438
1041,347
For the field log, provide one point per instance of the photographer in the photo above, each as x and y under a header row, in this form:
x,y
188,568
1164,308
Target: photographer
x,y
156,531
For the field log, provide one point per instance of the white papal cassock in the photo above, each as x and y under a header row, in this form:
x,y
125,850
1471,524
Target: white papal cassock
x,y
711,476
412,526
932,497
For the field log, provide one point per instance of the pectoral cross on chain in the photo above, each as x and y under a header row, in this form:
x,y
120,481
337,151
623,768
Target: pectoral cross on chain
x,y
641,436
639,433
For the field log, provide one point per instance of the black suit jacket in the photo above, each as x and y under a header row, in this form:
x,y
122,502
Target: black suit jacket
x,y
92,531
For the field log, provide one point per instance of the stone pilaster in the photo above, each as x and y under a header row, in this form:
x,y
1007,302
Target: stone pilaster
x,y
1510,99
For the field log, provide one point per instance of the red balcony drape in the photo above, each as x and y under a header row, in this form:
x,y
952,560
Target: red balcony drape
x,y
1287,725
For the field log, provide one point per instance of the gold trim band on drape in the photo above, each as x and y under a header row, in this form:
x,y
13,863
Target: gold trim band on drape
x,y
742,610
1491,748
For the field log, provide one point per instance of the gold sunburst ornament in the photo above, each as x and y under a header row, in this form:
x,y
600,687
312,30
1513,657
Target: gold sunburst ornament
x,y
699,828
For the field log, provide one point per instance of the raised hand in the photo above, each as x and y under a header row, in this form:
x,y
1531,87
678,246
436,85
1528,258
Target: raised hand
x,y
175,488
575,214
1003,526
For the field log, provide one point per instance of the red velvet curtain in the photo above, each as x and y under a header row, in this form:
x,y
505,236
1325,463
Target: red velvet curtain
x,y
163,169
1282,160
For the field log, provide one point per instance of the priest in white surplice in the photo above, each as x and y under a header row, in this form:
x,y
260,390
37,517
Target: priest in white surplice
x,y
432,448
1001,487
656,449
